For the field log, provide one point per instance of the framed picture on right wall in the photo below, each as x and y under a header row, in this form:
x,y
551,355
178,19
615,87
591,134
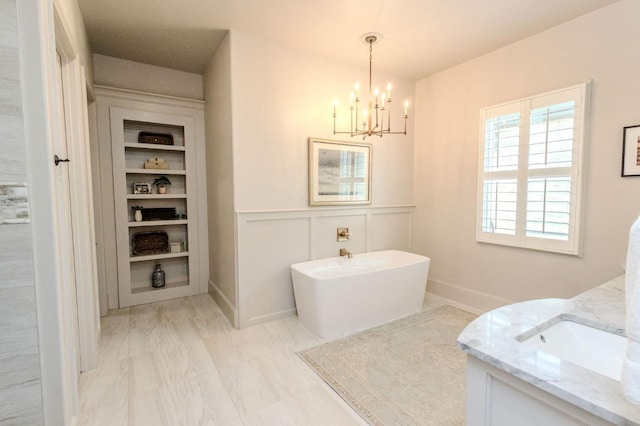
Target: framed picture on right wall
x,y
631,151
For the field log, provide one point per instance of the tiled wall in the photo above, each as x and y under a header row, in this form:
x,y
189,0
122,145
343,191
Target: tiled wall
x,y
20,394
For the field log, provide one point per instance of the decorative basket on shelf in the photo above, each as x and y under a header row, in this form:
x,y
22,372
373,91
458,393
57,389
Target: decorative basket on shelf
x,y
149,242
157,138
159,213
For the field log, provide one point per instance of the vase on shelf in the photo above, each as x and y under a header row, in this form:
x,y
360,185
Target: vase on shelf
x,y
157,278
137,215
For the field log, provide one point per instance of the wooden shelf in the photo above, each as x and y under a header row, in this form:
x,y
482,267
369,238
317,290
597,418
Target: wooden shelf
x,y
154,172
160,256
157,223
166,287
152,146
155,196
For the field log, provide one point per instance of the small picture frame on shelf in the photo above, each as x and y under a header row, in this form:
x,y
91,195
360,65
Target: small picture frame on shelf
x,y
141,188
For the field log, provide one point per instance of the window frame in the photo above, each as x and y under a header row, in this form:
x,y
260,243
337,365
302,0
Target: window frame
x,y
573,245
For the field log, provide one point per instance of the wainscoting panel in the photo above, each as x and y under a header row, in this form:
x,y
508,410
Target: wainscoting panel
x,y
390,230
269,242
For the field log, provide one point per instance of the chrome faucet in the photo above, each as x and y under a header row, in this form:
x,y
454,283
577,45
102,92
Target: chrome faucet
x,y
345,252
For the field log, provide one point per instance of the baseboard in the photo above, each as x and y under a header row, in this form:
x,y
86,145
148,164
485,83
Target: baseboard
x,y
269,317
470,300
224,304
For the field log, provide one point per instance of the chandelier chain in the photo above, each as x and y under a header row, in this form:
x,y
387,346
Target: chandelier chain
x,y
371,40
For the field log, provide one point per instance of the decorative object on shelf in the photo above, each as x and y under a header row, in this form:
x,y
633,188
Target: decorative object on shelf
x,y
157,277
181,216
161,182
177,247
156,164
141,188
150,242
373,115
339,173
137,213
159,213
156,138
631,151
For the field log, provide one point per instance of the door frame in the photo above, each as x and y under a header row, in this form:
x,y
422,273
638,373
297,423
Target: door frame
x,y
77,131
40,29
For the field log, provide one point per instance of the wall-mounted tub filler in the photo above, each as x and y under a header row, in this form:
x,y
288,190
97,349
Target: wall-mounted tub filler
x,y
345,252
343,233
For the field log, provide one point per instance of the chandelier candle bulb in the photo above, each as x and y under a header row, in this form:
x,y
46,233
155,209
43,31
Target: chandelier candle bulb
x,y
406,107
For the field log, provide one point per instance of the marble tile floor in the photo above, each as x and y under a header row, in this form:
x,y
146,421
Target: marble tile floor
x,y
180,362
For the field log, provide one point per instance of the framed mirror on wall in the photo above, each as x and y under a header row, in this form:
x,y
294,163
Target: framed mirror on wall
x,y
339,173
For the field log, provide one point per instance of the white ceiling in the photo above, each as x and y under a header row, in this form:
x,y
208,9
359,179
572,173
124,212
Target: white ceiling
x,y
420,37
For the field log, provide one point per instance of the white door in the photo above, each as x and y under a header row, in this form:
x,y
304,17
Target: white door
x,y
64,221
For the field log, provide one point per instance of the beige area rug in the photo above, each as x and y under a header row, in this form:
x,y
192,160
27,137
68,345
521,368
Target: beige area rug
x,y
407,372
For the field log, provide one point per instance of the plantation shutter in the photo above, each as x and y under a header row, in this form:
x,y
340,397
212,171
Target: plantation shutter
x,y
530,171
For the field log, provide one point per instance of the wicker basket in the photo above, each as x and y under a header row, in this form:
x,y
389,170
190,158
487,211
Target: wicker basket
x,y
150,242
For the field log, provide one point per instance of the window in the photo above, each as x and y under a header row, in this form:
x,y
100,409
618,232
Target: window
x,y
530,171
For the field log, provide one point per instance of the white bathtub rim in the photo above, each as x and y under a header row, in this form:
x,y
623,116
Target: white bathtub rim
x,y
313,268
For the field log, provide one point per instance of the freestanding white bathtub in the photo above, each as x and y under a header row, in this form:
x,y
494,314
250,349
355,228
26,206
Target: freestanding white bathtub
x,y
338,296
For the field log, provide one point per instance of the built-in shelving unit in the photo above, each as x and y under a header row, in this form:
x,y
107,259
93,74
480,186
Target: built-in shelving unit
x,y
183,269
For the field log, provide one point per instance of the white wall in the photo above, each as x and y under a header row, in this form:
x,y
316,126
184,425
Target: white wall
x,y
601,46
280,98
219,135
125,74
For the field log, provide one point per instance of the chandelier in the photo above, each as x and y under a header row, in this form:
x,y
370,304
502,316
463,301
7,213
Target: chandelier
x,y
369,120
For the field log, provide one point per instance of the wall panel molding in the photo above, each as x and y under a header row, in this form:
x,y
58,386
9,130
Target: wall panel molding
x,y
270,241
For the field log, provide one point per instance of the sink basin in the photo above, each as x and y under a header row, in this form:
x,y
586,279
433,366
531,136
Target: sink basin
x,y
587,347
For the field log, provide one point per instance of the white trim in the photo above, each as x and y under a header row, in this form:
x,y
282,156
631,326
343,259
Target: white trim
x,y
224,303
75,102
37,60
432,297
321,210
127,94
470,300
272,316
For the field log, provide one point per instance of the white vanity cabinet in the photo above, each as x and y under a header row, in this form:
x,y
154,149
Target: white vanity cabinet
x,y
122,117
497,398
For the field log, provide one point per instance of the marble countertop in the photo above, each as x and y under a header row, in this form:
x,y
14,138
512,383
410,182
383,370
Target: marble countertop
x,y
492,338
